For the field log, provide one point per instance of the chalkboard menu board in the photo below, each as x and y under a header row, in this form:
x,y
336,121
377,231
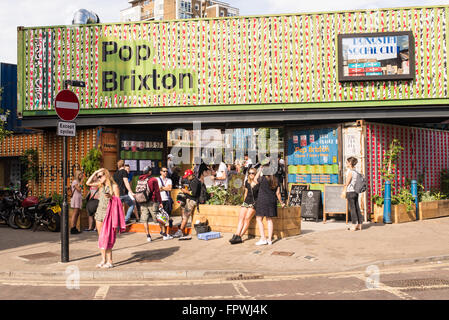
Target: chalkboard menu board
x,y
294,198
333,202
311,204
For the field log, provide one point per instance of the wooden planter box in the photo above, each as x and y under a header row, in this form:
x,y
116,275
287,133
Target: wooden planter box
x,y
399,214
378,215
433,209
225,219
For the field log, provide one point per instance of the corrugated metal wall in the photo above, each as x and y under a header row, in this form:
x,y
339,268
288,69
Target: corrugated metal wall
x,y
426,151
253,60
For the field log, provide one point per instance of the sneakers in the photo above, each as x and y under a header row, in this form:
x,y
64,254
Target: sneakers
x,y
167,237
236,239
262,242
149,238
178,234
74,231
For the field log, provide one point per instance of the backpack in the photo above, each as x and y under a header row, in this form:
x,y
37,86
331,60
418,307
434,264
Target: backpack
x,y
204,195
143,193
360,183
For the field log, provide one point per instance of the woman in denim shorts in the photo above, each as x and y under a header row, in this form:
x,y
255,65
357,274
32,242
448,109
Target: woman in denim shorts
x,y
248,208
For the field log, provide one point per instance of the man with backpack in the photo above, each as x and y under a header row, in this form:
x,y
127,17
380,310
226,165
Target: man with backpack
x,y
149,197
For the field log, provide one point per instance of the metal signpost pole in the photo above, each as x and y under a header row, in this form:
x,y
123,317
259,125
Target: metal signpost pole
x,y
65,206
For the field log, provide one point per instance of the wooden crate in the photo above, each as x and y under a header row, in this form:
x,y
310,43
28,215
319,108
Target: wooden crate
x,y
433,209
225,219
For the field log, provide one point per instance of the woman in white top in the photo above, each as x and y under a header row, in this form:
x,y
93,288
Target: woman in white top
x,y
351,195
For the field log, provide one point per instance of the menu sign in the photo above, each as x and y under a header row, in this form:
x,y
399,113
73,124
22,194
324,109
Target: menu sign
x,y
376,56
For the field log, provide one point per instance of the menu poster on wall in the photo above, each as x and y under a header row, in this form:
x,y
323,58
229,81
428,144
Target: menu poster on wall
x,y
145,163
132,164
376,56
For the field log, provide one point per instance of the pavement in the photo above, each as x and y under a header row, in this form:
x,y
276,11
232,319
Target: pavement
x,y
320,248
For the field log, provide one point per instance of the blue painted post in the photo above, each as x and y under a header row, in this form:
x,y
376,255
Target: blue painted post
x,y
414,192
387,202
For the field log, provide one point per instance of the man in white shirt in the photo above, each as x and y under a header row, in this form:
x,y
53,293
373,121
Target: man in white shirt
x,y
165,186
221,177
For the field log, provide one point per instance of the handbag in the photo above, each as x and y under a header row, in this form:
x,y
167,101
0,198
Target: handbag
x,y
162,216
91,203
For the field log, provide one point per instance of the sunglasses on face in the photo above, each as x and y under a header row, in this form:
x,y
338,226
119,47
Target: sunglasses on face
x,y
164,171
100,176
252,173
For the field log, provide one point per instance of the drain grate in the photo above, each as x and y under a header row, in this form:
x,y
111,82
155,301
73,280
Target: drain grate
x,y
41,255
418,284
282,253
247,277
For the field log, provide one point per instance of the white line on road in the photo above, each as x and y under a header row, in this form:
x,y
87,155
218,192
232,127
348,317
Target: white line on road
x,y
101,293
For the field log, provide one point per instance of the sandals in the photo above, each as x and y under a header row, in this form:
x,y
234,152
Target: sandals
x,y
107,265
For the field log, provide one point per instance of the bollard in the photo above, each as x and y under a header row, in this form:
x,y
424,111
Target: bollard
x,y
387,202
414,191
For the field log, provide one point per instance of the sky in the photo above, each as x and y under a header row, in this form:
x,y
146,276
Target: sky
x,y
29,13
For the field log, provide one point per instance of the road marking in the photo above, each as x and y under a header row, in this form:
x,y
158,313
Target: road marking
x,y
241,289
382,287
169,282
101,293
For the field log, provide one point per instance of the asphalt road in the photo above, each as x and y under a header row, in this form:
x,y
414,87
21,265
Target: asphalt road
x,y
428,281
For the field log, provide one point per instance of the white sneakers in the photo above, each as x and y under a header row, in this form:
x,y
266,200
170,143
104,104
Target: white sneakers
x,y
263,242
167,237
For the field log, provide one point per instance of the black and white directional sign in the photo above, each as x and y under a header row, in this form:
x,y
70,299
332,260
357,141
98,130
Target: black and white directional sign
x,y
66,129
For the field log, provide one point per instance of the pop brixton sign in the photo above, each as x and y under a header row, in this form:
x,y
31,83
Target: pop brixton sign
x,y
376,56
128,68
238,63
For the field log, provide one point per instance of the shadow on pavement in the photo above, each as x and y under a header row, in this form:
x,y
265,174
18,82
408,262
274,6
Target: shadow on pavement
x,y
148,256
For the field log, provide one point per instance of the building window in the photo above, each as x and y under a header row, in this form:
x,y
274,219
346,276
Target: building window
x,y
222,14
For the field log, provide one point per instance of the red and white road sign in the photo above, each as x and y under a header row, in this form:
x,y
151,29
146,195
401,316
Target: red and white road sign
x,y
67,105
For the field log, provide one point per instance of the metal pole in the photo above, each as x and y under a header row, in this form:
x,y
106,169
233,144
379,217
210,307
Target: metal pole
x,y
387,202
414,191
65,207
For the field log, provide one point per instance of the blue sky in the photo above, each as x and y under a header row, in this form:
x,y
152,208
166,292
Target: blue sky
x,y
29,13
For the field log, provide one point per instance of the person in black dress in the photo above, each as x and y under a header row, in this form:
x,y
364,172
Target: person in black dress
x,y
266,203
247,210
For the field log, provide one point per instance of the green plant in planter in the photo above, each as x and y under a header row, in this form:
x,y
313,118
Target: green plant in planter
x,y
220,196
388,170
445,181
404,196
91,162
56,197
30,162
432,196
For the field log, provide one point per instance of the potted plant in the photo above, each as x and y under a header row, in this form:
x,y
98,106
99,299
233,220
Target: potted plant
x,y
388,173
433,204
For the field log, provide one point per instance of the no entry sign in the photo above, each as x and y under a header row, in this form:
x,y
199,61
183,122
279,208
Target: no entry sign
x,y
67,105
